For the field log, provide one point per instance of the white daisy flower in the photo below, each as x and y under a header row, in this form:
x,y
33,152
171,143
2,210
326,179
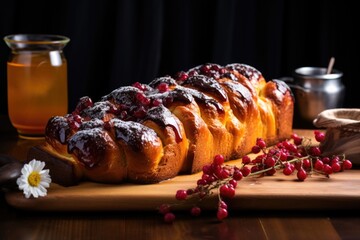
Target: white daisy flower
x,y
34,179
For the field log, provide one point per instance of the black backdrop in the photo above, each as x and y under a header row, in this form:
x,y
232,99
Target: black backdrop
x,y
116,43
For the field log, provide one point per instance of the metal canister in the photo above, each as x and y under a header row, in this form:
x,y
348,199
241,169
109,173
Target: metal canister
x,y
315,90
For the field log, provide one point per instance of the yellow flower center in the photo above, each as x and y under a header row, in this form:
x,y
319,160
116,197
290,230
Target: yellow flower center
x,y
34,179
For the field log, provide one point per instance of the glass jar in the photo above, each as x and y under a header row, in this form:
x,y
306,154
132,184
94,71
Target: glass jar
x,y
36,81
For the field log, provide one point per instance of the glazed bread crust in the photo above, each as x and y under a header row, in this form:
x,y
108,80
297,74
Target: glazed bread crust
x,y
147,133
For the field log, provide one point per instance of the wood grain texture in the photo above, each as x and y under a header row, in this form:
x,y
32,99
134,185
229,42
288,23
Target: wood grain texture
x,y
241,224
340,191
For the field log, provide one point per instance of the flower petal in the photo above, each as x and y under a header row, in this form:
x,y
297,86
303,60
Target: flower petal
x,y
27,194
37,165
23,181
26,169
34,192
44,184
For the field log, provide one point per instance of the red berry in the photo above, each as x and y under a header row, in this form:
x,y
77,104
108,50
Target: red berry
x,y
319,136
284,155
215,67
201,182
222,204
306,163
207,169
246,159
287,170
260,158
163,87
255,149
219,159
140,112
291,148
169,217
272,152
222,70
336,167
164,208
319,165
224,173
245,171
335,159
202,194
271,171
301,174
205,69
75,121
325,160
233,182
297,139
294,135
181,195
168,101
315,151
298,165
143,100
261,143
221,213
347,164
139,86
182,76
227,191
316,132
327,169
190,191
208,179
254,168
205,176
195,211
292,166
237,175
192,73
216,169
156,102
270,161
83,103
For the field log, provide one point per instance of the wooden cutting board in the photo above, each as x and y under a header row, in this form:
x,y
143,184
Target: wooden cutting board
x,y
278,192
340,191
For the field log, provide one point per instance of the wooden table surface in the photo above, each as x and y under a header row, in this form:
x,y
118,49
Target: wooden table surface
x,y
241,224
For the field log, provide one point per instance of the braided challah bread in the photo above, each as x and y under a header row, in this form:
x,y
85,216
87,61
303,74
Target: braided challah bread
x,y
146,133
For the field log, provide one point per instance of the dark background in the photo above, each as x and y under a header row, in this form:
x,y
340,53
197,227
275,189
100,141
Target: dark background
x,y
115,43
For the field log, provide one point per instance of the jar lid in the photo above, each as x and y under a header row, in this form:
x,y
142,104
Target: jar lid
x,y
36,41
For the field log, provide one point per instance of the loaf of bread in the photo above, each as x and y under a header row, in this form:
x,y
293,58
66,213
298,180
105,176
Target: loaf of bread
x,y
146,133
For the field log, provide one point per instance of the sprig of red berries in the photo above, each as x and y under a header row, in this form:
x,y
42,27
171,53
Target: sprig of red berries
x,y
295,155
